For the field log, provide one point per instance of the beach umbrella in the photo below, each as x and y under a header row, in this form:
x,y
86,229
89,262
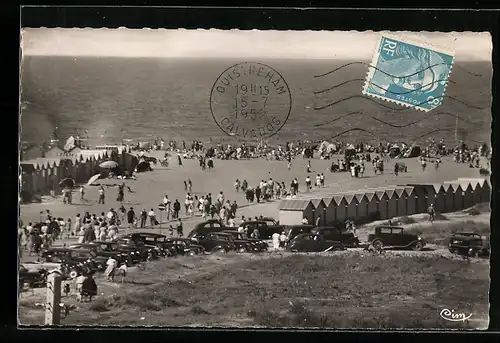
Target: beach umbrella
x,y
93,179
108,165
67,182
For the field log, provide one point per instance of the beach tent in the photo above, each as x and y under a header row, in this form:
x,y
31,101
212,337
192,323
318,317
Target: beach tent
x,y
458,198
319,212
401,201
329,210
372,203
468,193
382,200
351,204
362,203
340,207
292,211
449,198
392,203
410,200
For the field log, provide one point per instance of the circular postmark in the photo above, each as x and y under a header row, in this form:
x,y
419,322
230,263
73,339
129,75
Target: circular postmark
x,y
250,100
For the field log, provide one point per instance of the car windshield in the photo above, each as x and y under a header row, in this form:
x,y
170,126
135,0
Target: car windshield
x,y
221,237
149,240
397,231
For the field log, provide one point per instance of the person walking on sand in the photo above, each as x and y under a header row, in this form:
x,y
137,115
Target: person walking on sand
x,y
185,186
152,218
82,193
308,183
167,203
237,185
431,212
131,217
322,180
276,241
111,265
308,169
177,208
101,195
396,169
190,185
180,229
179,160
144,216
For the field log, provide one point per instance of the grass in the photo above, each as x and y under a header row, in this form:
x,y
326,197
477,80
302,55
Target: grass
x,y
440,232
347,290
478,209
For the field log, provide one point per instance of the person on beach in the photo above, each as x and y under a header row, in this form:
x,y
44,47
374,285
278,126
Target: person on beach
x,y
190,185
144,216
180,228
322,180
123,269
131,217
167,203
179,159
237,185
318,181
282,239
308,183
152,218
185,186
424,164
111,265
101,195
121,193
431,212
396,169
308,169
82,193
177,208
276,241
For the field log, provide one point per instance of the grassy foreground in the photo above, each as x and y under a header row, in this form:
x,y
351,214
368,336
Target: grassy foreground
x,y
346,290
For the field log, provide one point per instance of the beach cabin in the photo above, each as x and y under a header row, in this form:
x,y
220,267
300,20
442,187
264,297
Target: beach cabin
x,y
476,188
340,207
458,198
372,204
392,203
439,197
352,207
449,198
319,212
382,200
292,211
410,200
329,210
401,202
362,204
486,191
468,193
425,195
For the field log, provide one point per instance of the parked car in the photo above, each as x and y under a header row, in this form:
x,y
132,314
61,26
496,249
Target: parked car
x,y
312,242
133,253
212,225
185,246
292,231
154,239
148,252
390,237
241,245
265,231
214,242
120,256
258,244
32,278
335,234
273,225
469,244
72,262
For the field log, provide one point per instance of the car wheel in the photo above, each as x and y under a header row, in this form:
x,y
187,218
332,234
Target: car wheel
x,y
378,244
418,246
242,250
191,253
219,251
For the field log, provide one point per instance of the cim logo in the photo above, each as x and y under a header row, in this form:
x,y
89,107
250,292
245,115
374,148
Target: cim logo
x,y
453,316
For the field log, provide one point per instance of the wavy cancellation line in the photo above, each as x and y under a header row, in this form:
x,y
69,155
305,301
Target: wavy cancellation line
x,y
393,125
384,89
390,75
378,136
398,109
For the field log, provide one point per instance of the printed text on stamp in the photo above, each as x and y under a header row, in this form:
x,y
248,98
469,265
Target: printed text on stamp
x,y
408,74
250,100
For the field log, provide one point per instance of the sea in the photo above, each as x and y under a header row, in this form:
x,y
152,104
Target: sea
x,y
110,100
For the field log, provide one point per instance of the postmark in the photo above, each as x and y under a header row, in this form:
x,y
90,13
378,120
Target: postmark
x,y
251,101
408,73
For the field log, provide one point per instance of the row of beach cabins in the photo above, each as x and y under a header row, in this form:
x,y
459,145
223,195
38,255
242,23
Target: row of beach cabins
x,y
42,175
385,202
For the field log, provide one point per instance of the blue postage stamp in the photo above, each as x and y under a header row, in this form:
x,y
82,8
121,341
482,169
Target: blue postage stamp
x,y
409,74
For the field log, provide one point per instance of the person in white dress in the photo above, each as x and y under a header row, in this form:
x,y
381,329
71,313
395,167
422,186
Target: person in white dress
x,y
276,241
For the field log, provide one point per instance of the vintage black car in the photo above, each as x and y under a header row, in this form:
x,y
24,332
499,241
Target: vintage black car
x,y
185,246
258,244
240,245
273,225
292,231
311,242
134,254
265,231
73,262
154,239
469,244
32,278
212,225
214,242
335,234
392,237
148,252
120,256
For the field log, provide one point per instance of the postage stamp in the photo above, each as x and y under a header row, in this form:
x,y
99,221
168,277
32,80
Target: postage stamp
x,y
250,100
408,73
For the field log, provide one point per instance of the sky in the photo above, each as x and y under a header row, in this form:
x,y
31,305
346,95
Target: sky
x,y
162,43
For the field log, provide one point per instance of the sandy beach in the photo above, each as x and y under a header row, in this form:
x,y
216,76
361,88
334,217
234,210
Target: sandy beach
x,y
150,187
